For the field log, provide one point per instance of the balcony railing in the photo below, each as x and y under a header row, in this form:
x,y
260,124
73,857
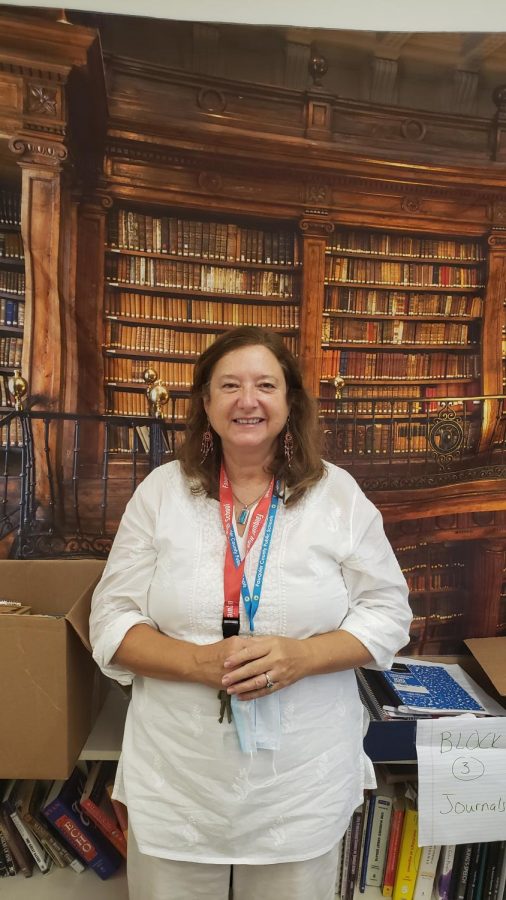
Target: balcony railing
x,y
65,478
393,442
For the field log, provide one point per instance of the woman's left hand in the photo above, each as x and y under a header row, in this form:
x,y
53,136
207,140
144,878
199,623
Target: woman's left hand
x,y
265,661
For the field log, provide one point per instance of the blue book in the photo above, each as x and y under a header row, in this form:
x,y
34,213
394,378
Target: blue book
x,y
62,810
418,688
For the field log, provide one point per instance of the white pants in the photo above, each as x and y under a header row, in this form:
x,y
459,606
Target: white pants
x,y
153,878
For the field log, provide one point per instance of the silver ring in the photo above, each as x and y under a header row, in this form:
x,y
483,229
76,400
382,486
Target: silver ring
x,y
268,683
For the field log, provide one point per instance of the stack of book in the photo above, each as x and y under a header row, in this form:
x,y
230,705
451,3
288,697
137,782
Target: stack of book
x,y
380,850
416,688
62,823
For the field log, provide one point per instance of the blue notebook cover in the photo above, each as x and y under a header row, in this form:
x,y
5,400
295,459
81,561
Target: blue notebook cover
x,y
420,688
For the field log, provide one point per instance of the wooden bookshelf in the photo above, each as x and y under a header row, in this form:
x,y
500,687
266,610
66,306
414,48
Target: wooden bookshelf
x,y
12,284
402,317
439,581
173,283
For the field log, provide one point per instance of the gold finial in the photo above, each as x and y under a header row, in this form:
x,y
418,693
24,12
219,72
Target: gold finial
x,y
18,387
339,383
157,392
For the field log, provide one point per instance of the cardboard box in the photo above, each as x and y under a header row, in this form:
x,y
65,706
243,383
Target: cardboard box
x,y
395,740
51,688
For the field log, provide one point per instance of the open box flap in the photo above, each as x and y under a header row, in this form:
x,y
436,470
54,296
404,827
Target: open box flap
x,y
491,654
79,615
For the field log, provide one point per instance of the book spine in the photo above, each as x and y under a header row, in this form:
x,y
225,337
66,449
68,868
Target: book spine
x,y
444,873
356,832
500,881
427,869
366,843
480,876
463,875
346,857
409,858
72,831
379,841
18,849
61,855
394,843
491,870
473,872
7,855
106,826
39,854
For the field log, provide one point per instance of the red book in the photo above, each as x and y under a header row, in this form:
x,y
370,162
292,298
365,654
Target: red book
x,y
394,843
96,804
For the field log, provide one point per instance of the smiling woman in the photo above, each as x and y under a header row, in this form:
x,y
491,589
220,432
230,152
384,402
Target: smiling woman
x,y
251,569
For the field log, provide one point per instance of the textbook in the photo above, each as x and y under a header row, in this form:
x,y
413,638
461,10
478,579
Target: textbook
x,y
423,688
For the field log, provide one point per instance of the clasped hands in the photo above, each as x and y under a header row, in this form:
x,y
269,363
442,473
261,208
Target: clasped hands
x,y
251,664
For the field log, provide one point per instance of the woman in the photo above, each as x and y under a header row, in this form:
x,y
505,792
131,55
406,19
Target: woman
x,y
264,778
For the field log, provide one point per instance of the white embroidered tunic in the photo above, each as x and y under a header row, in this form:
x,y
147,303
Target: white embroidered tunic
x,y
191,793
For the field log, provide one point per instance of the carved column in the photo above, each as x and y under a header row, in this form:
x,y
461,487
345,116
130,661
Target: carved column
x,y
46,224
492,322
90,302
485,599
315,227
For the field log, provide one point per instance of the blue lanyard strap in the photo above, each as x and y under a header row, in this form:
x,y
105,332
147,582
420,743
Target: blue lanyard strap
x,y
251,603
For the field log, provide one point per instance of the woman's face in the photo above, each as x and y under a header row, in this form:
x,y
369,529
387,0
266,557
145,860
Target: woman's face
x,y
247,403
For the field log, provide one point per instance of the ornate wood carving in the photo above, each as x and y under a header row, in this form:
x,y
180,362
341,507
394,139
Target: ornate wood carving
x,y
33,150
41,99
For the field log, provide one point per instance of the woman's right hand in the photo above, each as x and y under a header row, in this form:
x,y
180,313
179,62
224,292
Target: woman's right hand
x,y
210,659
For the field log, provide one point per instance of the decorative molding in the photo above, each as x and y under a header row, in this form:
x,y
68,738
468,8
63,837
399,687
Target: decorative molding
x,y
384,483
28,72
51,130
497,211
212,100
413,129
31,149
317,192
41,99
145,154
497,239
211,182
316,223
411,205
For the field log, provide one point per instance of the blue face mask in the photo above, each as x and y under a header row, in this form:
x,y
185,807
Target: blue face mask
x,y
258,723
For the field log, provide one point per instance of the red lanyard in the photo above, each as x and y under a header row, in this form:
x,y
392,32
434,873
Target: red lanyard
x,y
233,575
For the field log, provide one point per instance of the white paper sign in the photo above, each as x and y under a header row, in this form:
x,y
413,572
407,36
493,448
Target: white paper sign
x,y
461,780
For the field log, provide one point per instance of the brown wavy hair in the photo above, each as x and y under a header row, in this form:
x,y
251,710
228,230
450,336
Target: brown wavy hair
x,y
306,467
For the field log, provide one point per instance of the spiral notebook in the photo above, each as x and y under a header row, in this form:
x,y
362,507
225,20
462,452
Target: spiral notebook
x,y
430,689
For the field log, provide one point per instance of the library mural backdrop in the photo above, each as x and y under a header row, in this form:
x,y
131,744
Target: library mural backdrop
x,y
370,237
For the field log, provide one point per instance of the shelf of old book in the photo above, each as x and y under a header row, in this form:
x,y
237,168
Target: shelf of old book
x,y
12,287
400,310
174,280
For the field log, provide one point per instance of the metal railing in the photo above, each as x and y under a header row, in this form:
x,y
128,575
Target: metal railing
x,y
393,442
65,477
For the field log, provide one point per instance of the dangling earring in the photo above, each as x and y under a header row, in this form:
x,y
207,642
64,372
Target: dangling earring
x,y
207,445
288,444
